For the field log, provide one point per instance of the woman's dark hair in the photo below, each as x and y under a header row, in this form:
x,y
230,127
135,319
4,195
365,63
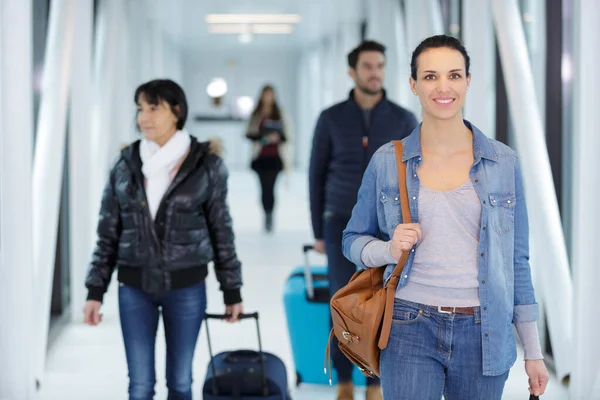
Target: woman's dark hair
x,y
154,92
275,111
436,42
367,45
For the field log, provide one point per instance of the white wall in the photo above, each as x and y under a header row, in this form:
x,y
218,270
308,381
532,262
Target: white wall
x,y
245,72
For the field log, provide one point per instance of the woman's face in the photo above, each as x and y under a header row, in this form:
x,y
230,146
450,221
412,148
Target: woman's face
x,y
156,121
268,97
441,83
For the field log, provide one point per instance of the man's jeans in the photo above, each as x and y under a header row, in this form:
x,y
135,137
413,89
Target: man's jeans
x,y
339,271
431,353
182,311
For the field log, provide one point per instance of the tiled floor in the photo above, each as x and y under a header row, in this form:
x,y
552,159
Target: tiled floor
x,y
88,363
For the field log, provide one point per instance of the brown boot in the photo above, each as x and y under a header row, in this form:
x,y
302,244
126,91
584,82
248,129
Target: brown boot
x,y
345,391
374,393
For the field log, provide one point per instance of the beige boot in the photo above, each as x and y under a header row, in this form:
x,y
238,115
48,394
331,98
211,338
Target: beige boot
x,y
374,393
345,391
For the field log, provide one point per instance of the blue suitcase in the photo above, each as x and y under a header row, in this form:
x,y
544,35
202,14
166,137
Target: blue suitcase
x,y
306,301
244,374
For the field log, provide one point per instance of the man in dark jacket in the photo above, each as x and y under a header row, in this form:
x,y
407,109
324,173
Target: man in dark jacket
x,y
346,136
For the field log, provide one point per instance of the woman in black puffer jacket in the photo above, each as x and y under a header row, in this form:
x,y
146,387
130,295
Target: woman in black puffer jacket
x,y
163,218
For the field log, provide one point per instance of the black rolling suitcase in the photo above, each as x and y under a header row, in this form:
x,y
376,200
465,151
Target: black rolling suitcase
x,y
244,374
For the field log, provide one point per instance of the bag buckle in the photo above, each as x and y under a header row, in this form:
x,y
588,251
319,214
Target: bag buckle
x,y
349,336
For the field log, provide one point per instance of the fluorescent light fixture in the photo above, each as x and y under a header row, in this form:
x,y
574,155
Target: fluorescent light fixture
x,y
252,18
257,29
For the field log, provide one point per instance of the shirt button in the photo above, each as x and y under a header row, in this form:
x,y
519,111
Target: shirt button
x,y
415,175
484,202
483,281
484,308
486,335
484,228
396,199
476,180
414,198
413,250
482,254
405,276
143,204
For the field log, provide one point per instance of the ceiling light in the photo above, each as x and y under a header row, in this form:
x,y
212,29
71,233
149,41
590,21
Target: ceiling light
x,y
252,18
257,29
216,88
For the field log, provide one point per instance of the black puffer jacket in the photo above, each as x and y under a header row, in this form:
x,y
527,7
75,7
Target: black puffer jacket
x,y
192,227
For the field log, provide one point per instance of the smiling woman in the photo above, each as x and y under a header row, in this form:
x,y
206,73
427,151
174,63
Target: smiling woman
x,y
467,279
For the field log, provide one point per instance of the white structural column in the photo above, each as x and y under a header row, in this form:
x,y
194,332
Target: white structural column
x,y
80,152
103,116
348,37
478,37
48,162
17,380
423,19
549,249
585,382
381,24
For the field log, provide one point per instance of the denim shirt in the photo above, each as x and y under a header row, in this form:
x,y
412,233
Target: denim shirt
x,y
505,288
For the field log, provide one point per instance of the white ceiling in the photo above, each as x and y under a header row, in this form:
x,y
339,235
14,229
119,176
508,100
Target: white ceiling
x,y
183,21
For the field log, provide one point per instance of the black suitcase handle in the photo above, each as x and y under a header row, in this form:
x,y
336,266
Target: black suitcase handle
x,y
260,350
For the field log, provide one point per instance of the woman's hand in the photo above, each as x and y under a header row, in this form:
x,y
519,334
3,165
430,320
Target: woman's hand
x,y
404,238
234,311
91,312
538,376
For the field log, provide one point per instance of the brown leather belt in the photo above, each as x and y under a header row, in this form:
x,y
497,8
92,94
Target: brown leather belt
x,y
457,310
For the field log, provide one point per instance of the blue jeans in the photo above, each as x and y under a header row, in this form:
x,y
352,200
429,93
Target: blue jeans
x,y
183,311
431,353
339,272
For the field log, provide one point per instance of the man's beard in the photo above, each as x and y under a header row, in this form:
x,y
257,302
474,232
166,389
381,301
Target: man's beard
x,y
366,90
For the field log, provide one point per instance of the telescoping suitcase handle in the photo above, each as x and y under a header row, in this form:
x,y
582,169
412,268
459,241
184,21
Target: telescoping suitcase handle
x,y
260,350
310,289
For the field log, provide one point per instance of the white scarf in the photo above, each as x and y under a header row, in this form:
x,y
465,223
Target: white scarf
x,y
157,164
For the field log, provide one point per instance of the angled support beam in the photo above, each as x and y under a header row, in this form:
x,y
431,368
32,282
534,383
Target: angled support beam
x,y
548,244
48,164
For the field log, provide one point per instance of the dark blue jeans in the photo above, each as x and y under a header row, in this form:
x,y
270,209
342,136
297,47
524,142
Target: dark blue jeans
x,y
182,311
339,271
431,353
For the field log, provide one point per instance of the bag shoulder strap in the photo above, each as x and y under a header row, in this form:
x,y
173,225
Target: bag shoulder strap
x,y
392,284
403,199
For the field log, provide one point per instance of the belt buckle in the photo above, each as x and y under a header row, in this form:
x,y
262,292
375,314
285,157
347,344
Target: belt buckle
x,y
446,312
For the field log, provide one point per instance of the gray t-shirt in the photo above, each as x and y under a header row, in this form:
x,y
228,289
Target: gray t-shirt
x,y
444,270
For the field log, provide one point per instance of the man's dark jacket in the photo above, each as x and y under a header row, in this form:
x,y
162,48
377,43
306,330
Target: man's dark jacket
x,y
192,227
339,157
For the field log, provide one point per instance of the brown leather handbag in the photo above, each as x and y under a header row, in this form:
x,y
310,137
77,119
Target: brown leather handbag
x,y
362,310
